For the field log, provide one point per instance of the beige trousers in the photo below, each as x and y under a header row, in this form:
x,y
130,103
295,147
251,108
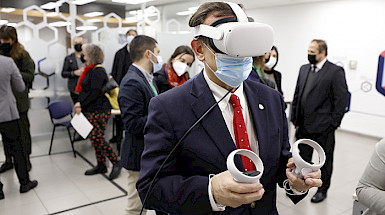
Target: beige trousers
x,y
134,204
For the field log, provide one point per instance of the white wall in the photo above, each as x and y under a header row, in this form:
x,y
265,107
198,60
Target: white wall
x,y
353,30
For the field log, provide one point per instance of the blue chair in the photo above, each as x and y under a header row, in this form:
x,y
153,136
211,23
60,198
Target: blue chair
x,y
58,110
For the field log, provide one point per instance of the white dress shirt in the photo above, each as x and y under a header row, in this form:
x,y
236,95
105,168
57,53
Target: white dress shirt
x,y
228,114
319,65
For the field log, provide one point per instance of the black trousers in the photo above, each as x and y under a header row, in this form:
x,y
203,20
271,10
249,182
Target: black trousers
x,y
327,141
26,139
10,131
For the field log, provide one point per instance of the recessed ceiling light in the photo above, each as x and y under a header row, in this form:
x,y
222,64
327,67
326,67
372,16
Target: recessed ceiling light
x,y
131,1
59,24
49,6
3,22
93,14
86,28
52,14
93,20
7,9
82,2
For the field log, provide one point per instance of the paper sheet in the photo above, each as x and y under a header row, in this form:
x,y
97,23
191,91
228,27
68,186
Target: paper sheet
x,y
81,125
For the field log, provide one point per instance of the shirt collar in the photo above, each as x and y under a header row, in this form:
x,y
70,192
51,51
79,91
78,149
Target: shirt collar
x,y
149,77
320,65
219,92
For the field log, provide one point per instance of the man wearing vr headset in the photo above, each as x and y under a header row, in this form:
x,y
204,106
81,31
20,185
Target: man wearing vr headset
x,y
195,179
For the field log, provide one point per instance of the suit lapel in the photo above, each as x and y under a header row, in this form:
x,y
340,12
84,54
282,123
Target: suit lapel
x,y
213,123
303,80
144,80
320,74
257,105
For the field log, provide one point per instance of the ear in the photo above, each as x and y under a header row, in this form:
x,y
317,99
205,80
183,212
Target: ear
x,y
197,46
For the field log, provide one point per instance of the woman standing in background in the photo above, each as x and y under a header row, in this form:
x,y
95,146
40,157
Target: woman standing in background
x,y
175,71
96,107
11,47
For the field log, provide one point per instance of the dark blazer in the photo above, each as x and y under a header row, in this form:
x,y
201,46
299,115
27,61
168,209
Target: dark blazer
x,y
255,77
91,97
161,81
26,67
69,66
134,96
328,99
122,62
182,185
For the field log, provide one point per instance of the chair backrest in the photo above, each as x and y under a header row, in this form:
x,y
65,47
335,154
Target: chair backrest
x,y
60,109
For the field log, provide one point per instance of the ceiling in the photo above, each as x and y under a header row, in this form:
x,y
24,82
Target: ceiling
x,y
249,4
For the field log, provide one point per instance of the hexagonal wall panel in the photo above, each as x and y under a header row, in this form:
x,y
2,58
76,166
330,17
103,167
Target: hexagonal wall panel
x,y
112,15
48,34
29,23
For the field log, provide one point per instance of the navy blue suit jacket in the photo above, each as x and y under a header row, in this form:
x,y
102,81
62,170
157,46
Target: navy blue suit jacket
x,y
182,185
134,96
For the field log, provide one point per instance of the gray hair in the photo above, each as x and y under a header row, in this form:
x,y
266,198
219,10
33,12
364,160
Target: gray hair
x,y
94,54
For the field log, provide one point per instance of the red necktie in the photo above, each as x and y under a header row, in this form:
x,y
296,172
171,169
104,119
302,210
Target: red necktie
x,y
240,132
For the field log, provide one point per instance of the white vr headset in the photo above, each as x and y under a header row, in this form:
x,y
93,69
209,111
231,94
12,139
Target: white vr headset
x,y
238,36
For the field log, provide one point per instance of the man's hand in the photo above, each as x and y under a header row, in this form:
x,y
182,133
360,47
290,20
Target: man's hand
x,y
77,108
310,180
227,191
79,72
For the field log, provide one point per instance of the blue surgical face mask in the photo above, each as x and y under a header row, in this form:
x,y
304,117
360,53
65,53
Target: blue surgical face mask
x,y
157,66
129,39
231,70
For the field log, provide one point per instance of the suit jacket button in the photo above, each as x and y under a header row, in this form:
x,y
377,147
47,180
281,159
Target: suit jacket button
x,y
252,205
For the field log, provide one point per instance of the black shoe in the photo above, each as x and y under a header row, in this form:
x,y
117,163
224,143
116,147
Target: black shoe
x,y
318,197
6,166
1,194
96,170
27,187
115,172
114,139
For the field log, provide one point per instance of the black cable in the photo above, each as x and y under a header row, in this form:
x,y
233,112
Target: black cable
x,y
179,142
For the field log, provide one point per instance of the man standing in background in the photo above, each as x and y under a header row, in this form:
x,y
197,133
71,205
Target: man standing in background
x,y
122,62
73,67
319,103
136,90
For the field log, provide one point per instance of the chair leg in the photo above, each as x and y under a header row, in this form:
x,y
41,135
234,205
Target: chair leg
x,y
53,133
71,140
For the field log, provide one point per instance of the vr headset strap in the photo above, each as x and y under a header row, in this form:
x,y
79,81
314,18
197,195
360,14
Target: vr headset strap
x,y
209,31
241,15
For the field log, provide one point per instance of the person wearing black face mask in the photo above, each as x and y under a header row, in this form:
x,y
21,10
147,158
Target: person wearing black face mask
x,y
10,46
319,103
73,67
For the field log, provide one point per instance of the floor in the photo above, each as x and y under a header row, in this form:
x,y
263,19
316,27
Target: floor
x,y
64,189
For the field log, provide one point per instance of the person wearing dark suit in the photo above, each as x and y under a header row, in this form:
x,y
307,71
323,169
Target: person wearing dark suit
x,y
122,61
73,67
195,179
136,90
26,66
10,78
319,103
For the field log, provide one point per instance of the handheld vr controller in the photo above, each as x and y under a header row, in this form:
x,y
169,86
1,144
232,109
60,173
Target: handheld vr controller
x,y
302,167
245,177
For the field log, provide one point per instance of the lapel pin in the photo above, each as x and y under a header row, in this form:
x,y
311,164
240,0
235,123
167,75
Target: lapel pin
x,y
261,106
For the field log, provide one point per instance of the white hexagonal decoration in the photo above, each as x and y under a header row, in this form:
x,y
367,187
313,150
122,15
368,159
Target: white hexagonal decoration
x,y
154,10
68,19
55,32
172,22
30,24
110,15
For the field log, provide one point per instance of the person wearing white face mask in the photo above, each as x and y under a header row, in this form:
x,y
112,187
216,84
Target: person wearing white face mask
x,y
175,72
122,62
270,72
136,90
